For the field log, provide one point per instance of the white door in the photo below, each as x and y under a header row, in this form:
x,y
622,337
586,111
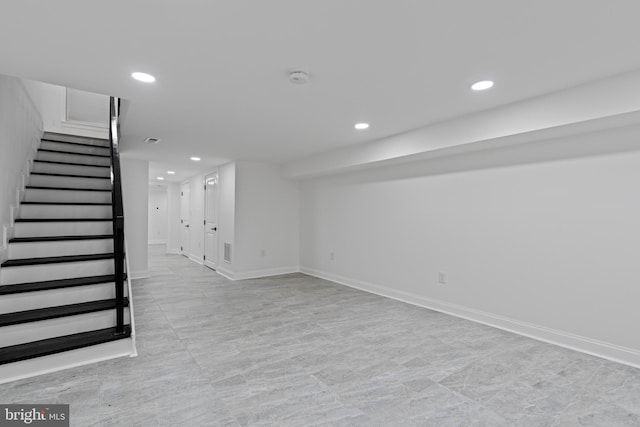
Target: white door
x,y
185,217
211,220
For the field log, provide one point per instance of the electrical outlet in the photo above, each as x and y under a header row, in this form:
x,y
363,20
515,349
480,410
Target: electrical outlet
x,y
263,253
331,256
442,278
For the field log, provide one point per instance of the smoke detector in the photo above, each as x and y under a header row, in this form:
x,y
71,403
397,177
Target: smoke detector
x,y
298,77
152,140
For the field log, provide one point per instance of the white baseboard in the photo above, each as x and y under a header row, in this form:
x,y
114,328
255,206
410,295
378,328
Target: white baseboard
x,y
267,272
157,242
174,251
225,273
195,259
142,274
256,274
605,350
192,257
66,360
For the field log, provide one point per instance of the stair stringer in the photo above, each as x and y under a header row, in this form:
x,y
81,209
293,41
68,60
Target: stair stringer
x,y
129,293
8,229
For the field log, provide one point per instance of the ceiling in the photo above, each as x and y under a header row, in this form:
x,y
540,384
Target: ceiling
x,y
222,91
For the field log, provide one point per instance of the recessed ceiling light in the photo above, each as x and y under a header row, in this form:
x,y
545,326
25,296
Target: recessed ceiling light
x,y
299,77
143,77
195,159
483,85
171,172
361,126
160,178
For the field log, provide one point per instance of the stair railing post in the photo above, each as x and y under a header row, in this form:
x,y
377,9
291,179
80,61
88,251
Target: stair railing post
x,y
117,211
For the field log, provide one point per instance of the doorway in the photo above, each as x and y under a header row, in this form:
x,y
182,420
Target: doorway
x,y
211,221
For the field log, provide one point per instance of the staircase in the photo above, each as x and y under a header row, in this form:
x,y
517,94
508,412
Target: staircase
x,y
58,293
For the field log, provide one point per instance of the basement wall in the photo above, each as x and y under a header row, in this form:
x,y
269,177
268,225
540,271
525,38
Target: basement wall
x,y
258,215
542,239
266,221
20,133
158,219
226,216
135,199
51,101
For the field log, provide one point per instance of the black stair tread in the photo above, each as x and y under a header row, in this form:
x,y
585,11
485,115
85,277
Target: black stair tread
x,y
67,203
70,176
72,164
39,187
16,353
47,313
60,238
55,260
62,219
73,153
55,284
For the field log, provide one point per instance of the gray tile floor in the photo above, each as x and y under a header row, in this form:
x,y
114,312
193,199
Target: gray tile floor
x,y
299,351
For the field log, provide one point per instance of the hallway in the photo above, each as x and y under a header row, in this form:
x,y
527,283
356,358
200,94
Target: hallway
x,y
299,351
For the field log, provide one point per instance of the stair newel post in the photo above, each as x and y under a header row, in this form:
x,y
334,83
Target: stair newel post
x,y
117,212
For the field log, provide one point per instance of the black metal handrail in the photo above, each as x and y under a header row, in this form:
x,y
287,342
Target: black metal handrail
x,y
117,211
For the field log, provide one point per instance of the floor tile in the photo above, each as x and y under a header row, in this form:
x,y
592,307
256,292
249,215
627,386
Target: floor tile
x,y
294,350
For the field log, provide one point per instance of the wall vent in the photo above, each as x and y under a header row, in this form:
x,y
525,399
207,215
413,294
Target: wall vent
x,y
227,252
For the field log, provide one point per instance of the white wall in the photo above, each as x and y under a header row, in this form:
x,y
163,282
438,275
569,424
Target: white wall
x,y
20,133
266,221
87,108
135,194
547,248
173,220
258,215
226,216
51,101
158,217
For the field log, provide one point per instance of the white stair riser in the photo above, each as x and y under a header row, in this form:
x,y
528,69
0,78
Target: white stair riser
x,y
66,196
69,182
64,270
59,248
73,158
64,211
75,138
74,148
54,297
71,169
46,229
35,331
